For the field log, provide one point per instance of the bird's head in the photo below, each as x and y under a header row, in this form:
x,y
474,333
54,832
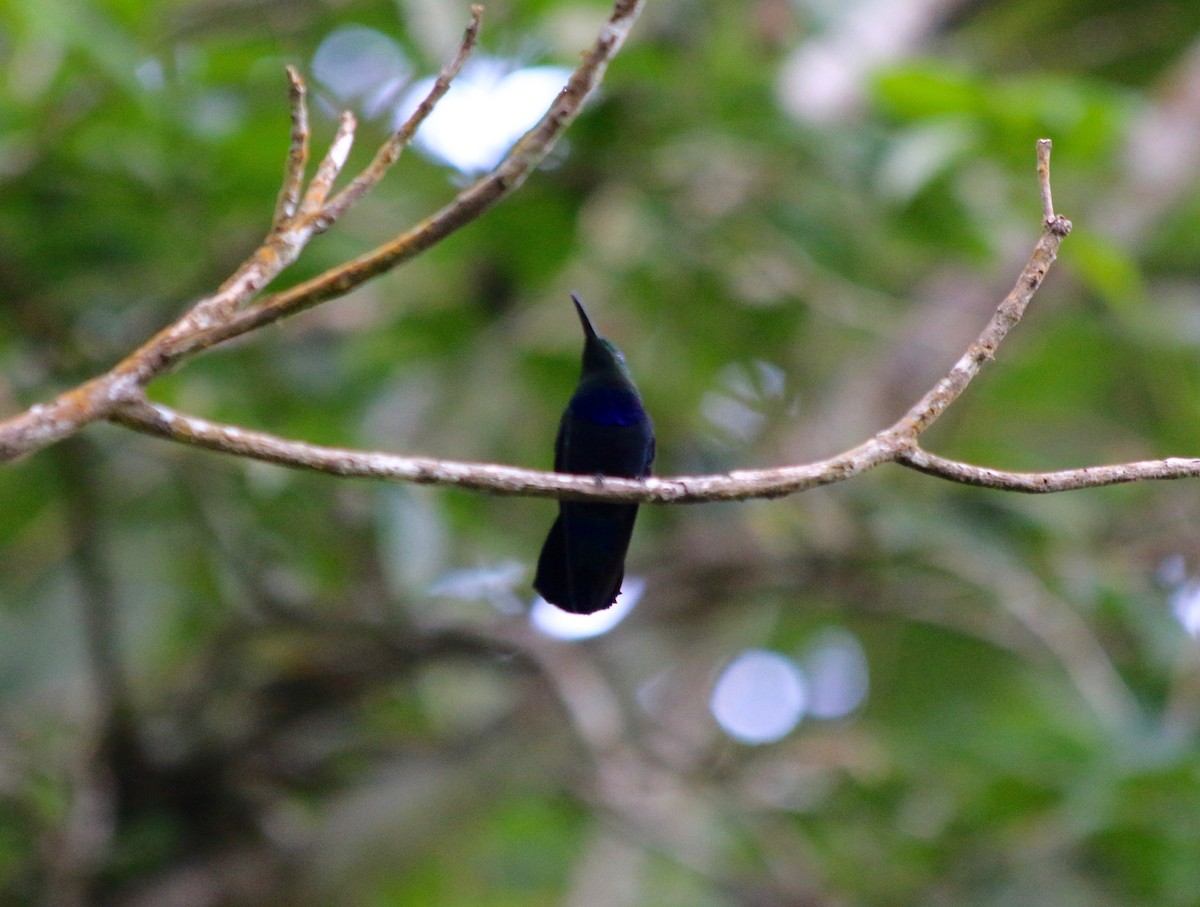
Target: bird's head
x,y
600,356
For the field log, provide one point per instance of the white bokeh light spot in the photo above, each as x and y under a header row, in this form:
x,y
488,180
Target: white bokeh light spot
x,y
488,108
1185,605
361,65
836,668
553,621
760,697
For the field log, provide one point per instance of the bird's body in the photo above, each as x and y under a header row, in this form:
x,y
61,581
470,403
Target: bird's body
x,y
604,431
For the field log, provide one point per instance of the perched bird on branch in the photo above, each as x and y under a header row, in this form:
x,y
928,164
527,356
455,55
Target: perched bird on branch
x,y
604,432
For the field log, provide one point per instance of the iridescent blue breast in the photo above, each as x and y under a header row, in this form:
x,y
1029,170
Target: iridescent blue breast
x,y
607,406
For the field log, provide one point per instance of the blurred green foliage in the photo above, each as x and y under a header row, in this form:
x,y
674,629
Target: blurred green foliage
x,y
223,683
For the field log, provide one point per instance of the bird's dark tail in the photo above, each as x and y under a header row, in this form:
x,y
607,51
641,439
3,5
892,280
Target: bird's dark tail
x,y
582,562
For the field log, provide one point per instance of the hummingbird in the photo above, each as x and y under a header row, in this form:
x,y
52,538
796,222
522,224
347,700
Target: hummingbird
x,y
604,432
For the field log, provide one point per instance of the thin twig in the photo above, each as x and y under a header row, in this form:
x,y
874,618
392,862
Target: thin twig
x,y
1049,482
391,150
464,209
926,410
297,159
47,423
287,238
1043,169
331,165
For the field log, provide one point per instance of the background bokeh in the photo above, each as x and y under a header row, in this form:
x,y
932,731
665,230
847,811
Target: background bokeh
x,y
224,683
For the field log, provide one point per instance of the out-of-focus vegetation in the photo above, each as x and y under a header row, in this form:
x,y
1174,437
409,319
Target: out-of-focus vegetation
x,y
223,683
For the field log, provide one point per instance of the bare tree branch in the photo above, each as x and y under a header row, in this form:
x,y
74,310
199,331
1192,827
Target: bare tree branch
x,y
509,175
1050,482
897,443
119,394
926,410
222,316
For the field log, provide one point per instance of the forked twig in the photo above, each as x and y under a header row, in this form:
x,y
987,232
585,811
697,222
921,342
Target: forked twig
x,y
464,209
298,217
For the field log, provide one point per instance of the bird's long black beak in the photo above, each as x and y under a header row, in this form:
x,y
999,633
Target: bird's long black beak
x,y
583,318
